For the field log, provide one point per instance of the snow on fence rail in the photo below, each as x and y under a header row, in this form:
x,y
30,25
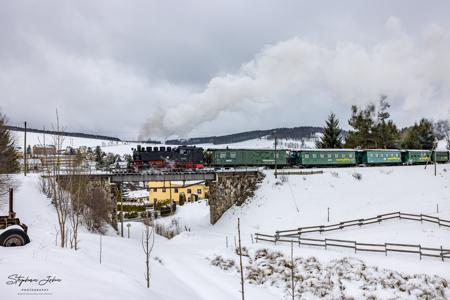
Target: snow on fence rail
x,y
361,222
295,236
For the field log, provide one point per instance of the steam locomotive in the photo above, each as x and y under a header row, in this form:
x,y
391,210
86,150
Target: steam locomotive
x,y
182,157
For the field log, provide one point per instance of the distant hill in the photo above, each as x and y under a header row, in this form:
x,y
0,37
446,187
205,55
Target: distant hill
x,y
295,133
72,134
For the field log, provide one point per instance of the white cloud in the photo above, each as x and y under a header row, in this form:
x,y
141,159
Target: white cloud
x,y
411,70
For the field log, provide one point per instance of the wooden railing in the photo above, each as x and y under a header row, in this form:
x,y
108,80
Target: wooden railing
x,y
295,236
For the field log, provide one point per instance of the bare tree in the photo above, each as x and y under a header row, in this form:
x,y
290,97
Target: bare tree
x,y
78,191
148,241
96,210
442,128
60,197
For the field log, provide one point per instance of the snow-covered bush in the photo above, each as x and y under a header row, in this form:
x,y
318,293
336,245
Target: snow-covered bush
x,y
334,174
169,230
346,278
224,264
357,176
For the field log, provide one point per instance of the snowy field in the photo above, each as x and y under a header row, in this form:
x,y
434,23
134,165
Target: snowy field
x,y
182,269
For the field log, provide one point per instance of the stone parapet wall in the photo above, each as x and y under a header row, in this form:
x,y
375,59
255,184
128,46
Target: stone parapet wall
x,y
231,189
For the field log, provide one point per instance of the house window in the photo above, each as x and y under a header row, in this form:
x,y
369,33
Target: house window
x,y
176,190
189,191
155,190
163,190
199,191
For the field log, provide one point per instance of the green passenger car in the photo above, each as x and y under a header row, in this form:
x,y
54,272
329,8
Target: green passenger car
x,y
248,157
379,157
416,156
326,157
440,156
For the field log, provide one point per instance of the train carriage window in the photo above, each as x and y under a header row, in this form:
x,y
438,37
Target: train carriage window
x,y
322,155
376,154
329,155
336,155
223,155
233,155
350,155
314,155
306,155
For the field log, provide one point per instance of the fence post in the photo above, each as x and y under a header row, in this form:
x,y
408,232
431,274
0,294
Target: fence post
x,y
442,254
328,217
437,207
385,249
299,241
251,236
420,252
325,244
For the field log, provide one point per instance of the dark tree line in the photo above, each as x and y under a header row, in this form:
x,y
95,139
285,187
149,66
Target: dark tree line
x,y
8,157
372,128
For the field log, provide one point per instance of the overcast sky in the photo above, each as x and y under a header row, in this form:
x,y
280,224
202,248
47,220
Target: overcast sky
x,y
190,68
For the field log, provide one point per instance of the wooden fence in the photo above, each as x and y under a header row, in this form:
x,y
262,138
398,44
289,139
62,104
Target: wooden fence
x,y
295,236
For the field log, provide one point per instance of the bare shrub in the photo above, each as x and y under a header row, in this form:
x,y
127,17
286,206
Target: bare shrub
x,y
357,176
170,230
96,211
334,174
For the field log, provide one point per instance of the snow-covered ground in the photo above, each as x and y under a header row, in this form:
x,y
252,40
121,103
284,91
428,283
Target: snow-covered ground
x,y
181,268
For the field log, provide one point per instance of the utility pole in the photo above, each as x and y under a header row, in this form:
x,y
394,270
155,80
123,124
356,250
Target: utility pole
x,y
25,150
275,152
240,259
292,271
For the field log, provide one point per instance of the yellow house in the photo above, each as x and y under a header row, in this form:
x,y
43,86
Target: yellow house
x,y
173,190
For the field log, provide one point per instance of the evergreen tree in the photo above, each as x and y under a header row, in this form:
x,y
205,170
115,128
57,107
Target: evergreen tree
x,y
386,134
331,137
98,155
419,136
362,123
8,157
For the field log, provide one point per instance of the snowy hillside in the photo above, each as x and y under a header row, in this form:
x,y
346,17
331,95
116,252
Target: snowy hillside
x,y
122,148
189,265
